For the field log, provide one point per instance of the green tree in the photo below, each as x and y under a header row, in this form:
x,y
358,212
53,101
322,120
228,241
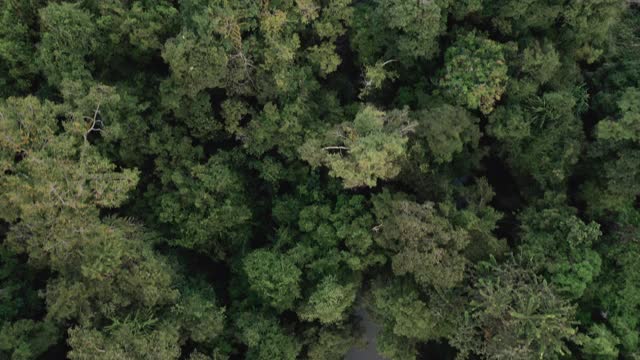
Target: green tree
x,y
599,342
421,240
403,311
329,302
518,18
198,315
330,343
130,339
615,295
615,157
408,316
448,130
514,314
556,241
68,40
207,207
541,138
364,151
26,339
475,72
266,338
54,190
274,277
401,30
18,21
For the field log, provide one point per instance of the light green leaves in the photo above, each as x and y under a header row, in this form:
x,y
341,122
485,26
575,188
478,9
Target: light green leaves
x,y
329,302
363,151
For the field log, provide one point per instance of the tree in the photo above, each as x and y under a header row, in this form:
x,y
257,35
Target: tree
x,y
326,232
448,130
587,26
615,157
27,339
330,343
17,46
519,18
18,281
557,242
514,314
132,338
106,269
198,315
615,295
398,29
362,152
599,342
266,339
421,241
542,138
329,302
196,64
409,316
215,179
403,311
68,39
207,207
475,72
273,277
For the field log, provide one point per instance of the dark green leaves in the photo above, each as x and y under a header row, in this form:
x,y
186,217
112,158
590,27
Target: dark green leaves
x,y
273,277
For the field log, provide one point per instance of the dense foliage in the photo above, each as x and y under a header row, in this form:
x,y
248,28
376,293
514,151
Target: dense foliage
x,y
237,179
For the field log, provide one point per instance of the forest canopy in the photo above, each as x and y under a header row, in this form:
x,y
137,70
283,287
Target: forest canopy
x,y
242,179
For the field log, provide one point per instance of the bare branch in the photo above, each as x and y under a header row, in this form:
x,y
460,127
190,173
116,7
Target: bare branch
x,y
409,128
94,121
388,62
335,148
55,192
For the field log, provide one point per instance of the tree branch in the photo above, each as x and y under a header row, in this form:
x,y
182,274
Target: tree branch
x,y
335,148
94,122
408,128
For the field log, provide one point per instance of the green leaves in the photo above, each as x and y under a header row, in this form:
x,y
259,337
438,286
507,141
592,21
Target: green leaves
x,y
475,72
557,242
542,138
54,190
404,313
201,319
124,341
627,128
17,48
212,179
196,64
55,177
266,339
364,151
329,302
515,314
398,29
26,339
69,37
448,130
422,242
207,206
273,277
615,157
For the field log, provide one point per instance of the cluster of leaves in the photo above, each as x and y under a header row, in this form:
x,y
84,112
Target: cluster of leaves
x,y
215,179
